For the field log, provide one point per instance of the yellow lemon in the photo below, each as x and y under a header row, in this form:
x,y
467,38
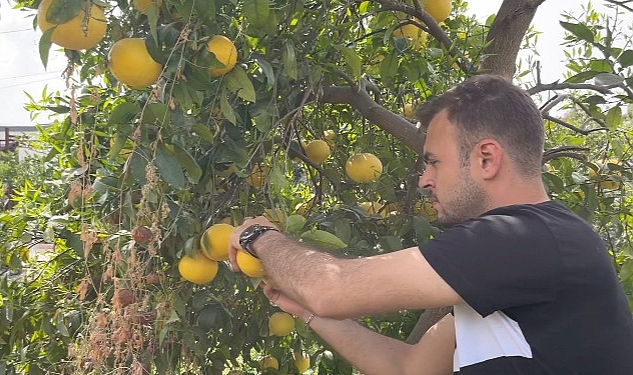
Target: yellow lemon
x,y
438,9
413,33
249,265
143,5
197,268
426,209
270,362
317,151
281,324
302,362
371,207
131,63
409,110
215,241
225,52
72,34
363,167
258,176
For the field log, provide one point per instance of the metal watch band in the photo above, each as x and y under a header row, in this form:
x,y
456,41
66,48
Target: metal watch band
x,y
252,233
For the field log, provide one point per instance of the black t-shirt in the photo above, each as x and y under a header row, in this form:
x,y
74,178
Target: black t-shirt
x,y
541,293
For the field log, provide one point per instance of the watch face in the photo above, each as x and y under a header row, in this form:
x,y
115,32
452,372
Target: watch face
x,y
249,235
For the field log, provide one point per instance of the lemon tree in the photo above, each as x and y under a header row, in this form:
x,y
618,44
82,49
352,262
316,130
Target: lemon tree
x,y
185,117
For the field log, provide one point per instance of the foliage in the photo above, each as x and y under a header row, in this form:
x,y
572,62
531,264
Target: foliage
x,y
176,158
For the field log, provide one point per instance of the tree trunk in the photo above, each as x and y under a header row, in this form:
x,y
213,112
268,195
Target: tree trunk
x,y
506,35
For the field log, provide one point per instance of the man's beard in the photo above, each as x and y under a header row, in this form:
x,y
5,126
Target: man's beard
x,y
469,201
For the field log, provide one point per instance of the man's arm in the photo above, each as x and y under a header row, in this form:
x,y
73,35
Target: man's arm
x,y
348,288
373,353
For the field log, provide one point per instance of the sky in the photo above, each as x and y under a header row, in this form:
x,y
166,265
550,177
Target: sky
x,y
21,69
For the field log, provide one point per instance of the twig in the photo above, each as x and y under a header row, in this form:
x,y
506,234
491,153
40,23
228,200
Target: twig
x,y
621,3
433,28
603,89
570,126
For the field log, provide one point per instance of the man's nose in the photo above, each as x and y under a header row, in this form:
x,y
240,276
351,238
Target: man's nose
x,y
425,181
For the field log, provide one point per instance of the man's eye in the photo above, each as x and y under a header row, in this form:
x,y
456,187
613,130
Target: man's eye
x,y
431,163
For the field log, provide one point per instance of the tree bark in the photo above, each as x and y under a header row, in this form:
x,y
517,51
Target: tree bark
x,y
392,123
506,34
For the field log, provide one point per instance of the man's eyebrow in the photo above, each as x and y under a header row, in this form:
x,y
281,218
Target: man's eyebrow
x,y
428,156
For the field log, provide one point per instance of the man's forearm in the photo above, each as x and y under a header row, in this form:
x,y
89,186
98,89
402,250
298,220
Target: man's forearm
x,y
368,351
289,265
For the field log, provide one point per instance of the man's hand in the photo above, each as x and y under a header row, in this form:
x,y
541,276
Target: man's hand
x,y
284,302
234,240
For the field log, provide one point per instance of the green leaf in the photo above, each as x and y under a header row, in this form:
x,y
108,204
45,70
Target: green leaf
x,y
256,10
226,108
323,239
614,118
294,223
352,59
608,79
124,113
168,166
45,45
601,66
581,31
581,77
290,61
204,132
389,67
237,81
626,58
152,19
62,11
188,163
268,71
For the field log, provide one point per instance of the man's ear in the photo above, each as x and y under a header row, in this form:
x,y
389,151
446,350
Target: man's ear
x,y
489,155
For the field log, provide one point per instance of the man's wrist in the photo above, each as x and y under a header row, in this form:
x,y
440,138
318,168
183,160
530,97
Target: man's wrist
x,y
252,234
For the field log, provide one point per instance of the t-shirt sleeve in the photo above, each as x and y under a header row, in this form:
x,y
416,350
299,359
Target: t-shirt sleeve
x,y
497,261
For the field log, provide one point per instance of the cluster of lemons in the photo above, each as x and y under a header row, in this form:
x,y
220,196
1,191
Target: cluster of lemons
x,y
202,267
129,59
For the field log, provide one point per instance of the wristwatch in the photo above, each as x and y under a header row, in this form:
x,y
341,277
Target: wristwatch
x,y
250,234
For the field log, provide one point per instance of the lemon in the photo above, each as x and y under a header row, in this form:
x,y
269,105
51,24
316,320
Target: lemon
x,y
71,34
197,268
270,362
363,167
249,265
143,5
438,9
302,362
281,324
225,52
371,207
317,151
215,241
131,63
414,34
258,176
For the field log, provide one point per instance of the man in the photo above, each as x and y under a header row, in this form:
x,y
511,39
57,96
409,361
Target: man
x,y
533,288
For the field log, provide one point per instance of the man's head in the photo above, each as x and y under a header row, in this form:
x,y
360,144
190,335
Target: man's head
x,y
485,120
490,106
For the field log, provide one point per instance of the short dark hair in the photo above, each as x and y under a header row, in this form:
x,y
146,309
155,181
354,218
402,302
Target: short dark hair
x,y
490,106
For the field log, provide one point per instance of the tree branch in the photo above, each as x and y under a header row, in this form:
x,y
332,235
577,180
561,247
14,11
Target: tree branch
x,y
506,35
572,86
388,121
622,4
432,27
570,126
